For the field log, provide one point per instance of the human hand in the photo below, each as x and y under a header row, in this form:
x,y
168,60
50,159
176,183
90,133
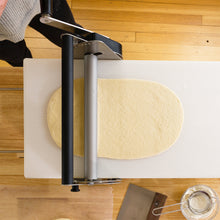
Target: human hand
x,y
3,3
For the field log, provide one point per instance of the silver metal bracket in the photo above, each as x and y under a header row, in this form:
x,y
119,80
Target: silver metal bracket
x,y
83,181
78,32
97,48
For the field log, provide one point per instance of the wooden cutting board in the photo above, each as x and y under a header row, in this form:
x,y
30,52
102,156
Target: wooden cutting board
x,y
194,155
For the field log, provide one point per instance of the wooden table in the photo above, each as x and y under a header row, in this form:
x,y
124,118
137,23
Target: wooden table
x,y
148,30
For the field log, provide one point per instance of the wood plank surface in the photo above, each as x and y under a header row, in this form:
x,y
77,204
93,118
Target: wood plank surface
x,y
4,64
140,17
211,20
148,30
11,144
146,27
11,115
148,6
11,77
190,39
11,164
53,202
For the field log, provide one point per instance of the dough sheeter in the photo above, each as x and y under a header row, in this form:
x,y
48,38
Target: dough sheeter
x,y
79,43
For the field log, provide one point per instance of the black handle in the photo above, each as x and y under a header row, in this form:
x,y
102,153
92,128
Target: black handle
x,y
46,7
67,110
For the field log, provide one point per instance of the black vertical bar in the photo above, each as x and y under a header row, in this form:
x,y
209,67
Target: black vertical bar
x,y
67,110
46,7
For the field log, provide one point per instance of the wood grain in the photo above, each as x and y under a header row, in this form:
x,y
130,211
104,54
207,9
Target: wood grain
x,y
11,144
4,64
40,43
31,33
148,30
168,56
11,164
11,77
11,115
53,202
46,53
21,180
179,2
181,38
69,3
144,6
146,27
211,20
140,17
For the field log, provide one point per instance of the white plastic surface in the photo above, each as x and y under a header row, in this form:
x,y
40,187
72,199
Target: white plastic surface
x,y
195,154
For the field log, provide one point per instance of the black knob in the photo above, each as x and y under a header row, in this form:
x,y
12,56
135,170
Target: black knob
x,y
75,188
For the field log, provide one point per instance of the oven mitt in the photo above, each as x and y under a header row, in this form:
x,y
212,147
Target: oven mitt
x,y
61,11
139,203
14,53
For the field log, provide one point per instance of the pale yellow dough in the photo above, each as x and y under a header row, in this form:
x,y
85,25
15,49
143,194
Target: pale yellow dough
x,y
136,118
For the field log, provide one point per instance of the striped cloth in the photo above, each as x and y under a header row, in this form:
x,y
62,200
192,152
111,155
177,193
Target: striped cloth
x,y
15,18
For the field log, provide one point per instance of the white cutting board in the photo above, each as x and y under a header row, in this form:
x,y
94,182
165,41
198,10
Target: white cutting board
x,y
196,154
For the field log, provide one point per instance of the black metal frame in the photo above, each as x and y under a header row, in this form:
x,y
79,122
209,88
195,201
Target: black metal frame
x,y
67,102
46,7
67,110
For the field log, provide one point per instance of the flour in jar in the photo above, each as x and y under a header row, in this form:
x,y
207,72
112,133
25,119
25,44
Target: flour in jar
x,y
200,202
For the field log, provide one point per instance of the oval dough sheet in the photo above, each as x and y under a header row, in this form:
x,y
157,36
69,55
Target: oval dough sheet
x,y
136,118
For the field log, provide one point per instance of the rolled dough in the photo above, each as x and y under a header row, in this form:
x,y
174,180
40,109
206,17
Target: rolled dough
x,y
136,118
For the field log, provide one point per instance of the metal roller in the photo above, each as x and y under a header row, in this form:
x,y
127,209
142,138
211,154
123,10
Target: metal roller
x,y
90,80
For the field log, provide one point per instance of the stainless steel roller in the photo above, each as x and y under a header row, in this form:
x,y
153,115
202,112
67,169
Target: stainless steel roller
x,y
90,83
